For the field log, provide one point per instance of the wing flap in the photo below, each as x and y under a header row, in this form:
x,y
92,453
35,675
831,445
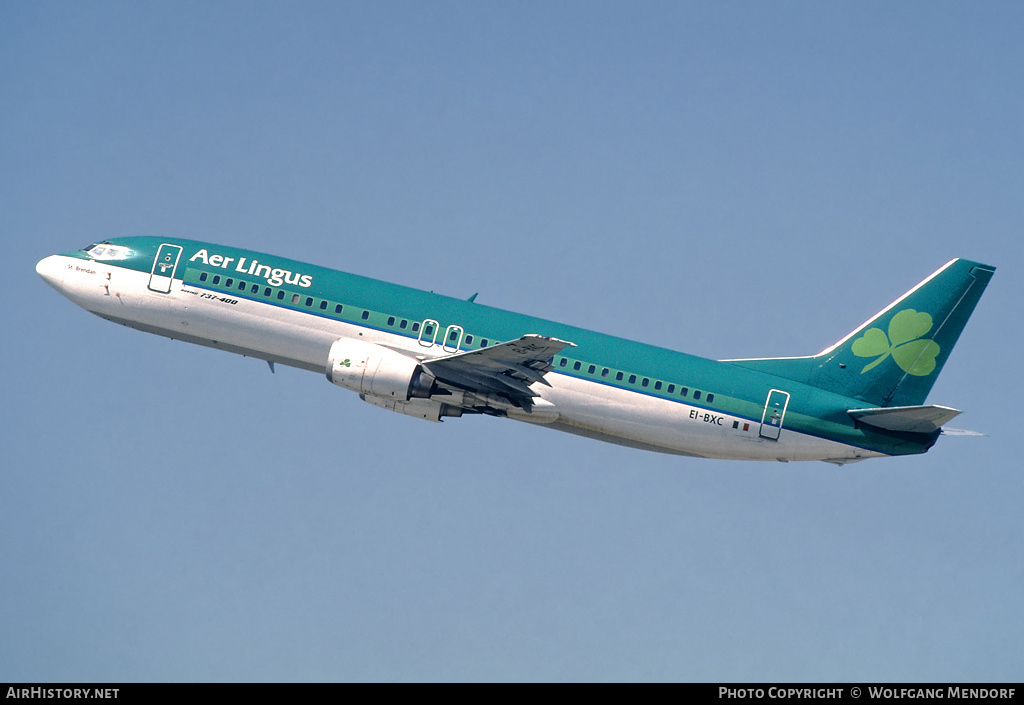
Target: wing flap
x,y
507,369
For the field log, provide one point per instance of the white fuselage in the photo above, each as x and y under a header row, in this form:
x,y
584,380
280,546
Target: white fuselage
x,y
303,340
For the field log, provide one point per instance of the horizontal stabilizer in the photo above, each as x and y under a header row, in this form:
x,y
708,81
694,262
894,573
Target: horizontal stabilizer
x,y
912,419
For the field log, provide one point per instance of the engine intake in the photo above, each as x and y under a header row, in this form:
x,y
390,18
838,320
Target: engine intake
x,y
377,371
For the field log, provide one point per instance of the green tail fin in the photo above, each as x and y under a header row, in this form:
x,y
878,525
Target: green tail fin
x,y
894,358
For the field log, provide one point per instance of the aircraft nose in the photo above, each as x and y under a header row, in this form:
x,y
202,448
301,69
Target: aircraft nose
x,y
51,269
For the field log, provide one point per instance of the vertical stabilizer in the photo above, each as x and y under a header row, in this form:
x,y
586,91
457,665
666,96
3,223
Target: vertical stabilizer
x,y
894,358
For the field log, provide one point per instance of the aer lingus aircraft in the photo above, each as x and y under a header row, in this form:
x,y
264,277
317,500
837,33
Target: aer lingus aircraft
x,y
432,356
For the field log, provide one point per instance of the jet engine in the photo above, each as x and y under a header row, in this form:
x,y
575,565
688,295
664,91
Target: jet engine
x,y
377,371
419,408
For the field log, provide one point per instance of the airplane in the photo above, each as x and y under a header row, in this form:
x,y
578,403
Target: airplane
x,y
431,356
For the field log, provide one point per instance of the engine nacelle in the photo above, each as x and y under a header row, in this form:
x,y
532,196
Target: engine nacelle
x,y
377,371
419,408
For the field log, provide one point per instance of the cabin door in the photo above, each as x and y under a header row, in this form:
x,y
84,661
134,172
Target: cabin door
x,y
774,412
164,266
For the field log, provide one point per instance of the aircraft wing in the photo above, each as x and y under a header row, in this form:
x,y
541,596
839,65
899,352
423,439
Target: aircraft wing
x,y
506,370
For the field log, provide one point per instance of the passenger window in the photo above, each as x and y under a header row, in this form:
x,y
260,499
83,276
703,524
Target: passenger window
x,y
338,308
483,343
591,370
454,335
645,382
604,372
323,305
469,340
229,283
309,300
711,398
657,386
632,379
216,279
295,298
255,288
428,330
696,394
562,362
202,277
577,365
415,327
266,292
366,315
391,320
618,376
241,286
683,391
280,295
403,324
671,389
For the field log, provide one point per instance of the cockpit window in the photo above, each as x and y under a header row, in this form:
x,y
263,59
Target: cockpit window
x,y
106,251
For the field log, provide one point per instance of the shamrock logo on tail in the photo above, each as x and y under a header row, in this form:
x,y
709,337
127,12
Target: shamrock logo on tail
x,y
909,350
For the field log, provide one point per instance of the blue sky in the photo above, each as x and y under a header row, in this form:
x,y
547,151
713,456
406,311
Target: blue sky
x,y
728,179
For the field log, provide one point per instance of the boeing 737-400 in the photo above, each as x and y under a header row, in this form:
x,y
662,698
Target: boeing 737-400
x,y
433,356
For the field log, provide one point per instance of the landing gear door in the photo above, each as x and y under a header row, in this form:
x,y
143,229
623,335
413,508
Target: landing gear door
x,y
774,412
164,267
